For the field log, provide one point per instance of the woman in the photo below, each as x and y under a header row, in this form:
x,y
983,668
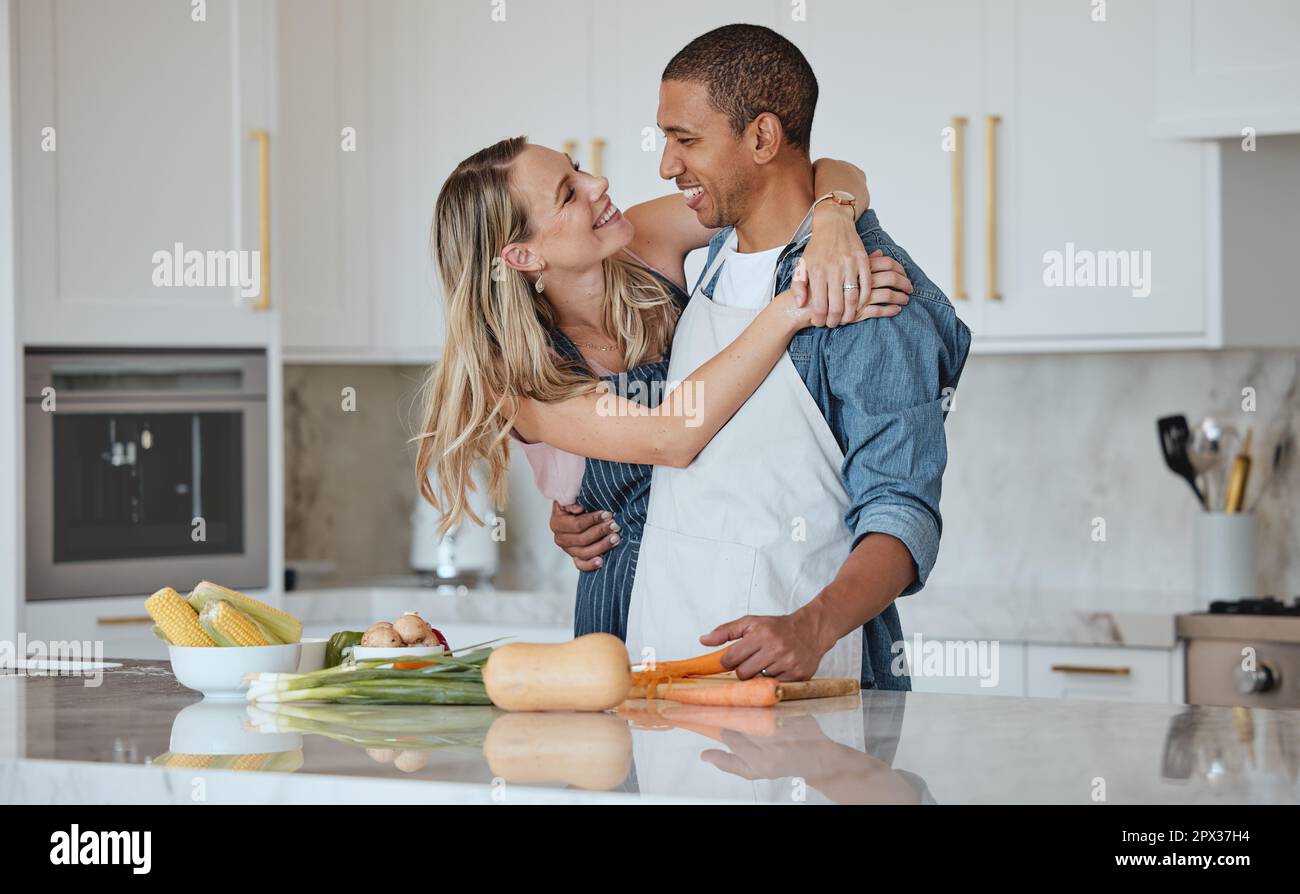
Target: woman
x,y
560,313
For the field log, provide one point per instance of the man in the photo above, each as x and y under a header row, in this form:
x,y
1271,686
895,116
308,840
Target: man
x,y
794,531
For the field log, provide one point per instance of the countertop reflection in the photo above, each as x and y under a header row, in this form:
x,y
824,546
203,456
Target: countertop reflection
x,y
141,737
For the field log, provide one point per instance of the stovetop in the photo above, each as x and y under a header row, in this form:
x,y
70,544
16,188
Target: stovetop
x,y
1268,605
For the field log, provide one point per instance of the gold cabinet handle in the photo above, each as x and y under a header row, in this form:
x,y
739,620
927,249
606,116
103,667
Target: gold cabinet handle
x,y
263,138
1086,669
597,157
959,209
570,148
991,123
123,620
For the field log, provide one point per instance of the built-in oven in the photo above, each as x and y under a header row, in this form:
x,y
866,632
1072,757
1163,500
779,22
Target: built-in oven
x,y
145,469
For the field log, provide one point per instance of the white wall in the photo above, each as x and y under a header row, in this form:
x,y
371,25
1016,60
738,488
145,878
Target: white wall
x,y
11,503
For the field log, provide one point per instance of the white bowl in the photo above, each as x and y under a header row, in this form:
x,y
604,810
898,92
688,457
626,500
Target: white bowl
x,y
362,653
218,671
313,654
225,727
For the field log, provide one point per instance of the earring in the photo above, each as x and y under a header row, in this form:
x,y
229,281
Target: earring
x,y
539,285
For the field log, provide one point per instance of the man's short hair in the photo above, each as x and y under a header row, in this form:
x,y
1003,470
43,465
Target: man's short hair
x,y
748,70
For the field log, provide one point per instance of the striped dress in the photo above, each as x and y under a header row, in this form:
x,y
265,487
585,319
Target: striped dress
x,y
622,489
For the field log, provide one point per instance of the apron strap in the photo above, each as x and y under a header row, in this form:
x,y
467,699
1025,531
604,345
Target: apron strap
x,y
801,235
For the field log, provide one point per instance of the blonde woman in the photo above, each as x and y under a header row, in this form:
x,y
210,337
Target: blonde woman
x,y
560,312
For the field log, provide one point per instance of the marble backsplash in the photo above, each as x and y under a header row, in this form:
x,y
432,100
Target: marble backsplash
x,y
1040,447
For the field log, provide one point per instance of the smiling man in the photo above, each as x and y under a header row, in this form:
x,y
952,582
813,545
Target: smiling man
x,y
794,531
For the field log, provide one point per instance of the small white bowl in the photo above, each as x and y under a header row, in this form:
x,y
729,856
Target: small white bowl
x,y
313,655
218,671
362,653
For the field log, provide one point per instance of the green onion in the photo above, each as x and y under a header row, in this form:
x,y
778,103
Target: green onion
x,y
444,680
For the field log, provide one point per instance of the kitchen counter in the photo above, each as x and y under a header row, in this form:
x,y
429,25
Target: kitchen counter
x,y
1093,618
139,737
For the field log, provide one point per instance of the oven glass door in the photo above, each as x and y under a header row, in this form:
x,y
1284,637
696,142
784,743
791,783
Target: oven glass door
x,y
141,485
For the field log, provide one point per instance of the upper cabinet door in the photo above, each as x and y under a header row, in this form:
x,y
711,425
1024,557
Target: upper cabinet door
x,y
134,154
328,142
1098,229
1225,66
895,81
457,78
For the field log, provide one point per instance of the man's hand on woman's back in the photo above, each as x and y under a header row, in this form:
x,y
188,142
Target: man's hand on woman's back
x,y
585,536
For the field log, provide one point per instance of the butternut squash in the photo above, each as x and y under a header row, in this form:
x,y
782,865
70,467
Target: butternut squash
x,y
588,674
590,751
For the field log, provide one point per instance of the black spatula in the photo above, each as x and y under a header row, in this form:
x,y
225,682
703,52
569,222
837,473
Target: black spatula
x,y
1174,437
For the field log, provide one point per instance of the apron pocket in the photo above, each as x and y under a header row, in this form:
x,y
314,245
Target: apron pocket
x,y
685,586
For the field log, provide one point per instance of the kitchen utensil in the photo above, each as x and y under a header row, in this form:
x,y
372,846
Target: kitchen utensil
x,y
1225,555
1212,443
1240,476
817,687
1174,437
1282,453
218,671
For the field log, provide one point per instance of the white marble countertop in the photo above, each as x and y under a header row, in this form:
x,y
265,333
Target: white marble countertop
x,y
62,741
1039,616
1091,618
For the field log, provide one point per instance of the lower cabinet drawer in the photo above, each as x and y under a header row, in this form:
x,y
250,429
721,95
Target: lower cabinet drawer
x,y
1101,673
967,667
120,624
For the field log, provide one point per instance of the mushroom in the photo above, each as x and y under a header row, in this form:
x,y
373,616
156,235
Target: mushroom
x,y
409,761
435,638
382,635
413,629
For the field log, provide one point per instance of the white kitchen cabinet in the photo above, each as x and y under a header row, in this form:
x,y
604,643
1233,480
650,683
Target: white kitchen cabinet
x,y
133,139
425,85
327,137
1104,673
1072,165
1225,65
892,77
960,672
1075,172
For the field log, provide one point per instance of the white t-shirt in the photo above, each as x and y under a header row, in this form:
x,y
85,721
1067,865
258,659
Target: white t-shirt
x,y
746,277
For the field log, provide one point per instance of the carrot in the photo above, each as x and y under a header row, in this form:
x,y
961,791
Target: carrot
x,y
702,717
410,665
666,671
699,666
756,692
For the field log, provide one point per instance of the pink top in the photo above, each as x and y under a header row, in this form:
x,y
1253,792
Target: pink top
x,y
557,473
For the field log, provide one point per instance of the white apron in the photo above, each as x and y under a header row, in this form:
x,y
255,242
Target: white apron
x,y
755,525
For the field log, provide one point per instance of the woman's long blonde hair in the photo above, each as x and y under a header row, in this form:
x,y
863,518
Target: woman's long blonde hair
x,y
497,348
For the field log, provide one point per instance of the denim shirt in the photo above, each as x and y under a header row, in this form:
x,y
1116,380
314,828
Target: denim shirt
x,y
884,386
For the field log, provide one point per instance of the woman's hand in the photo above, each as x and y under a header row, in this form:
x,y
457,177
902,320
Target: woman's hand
x,y
835,257
794,316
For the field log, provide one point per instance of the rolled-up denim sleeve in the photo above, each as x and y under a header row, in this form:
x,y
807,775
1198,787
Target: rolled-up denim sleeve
x,y
886,381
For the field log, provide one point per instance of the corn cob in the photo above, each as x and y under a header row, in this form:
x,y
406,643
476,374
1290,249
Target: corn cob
x,y
190,761
229,626
276,626
178,622
243,761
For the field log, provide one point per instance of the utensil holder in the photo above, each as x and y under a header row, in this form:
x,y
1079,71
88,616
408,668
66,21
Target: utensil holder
x,y
1225,555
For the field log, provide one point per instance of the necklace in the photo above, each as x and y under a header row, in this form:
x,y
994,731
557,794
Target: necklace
x,y
591,347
